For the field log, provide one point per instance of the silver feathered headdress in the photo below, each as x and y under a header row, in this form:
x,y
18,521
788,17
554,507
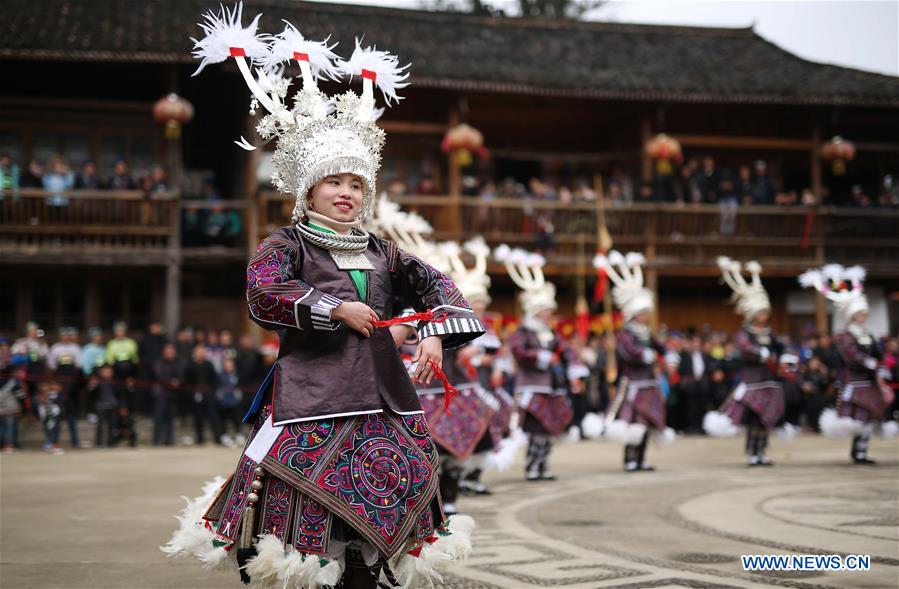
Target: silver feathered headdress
x,y
844,287
319,135
751,297
526,271
626,273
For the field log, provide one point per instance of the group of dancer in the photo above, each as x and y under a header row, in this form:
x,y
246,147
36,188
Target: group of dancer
x,y
388,394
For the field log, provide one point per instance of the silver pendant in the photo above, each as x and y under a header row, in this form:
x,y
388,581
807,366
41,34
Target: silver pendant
x,y
350,261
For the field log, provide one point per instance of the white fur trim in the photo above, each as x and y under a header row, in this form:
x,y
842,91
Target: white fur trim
x,y
889,429
664,437
502,457
192,537
592,425
719,425
423,571
625,433
834,426
787,431
572,435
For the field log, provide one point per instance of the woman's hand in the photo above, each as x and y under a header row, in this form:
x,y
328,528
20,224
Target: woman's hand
x,y
357,316
429,350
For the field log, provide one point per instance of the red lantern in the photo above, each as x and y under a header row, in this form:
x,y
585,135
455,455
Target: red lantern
x,y
174,111
838,152
463,139
665,151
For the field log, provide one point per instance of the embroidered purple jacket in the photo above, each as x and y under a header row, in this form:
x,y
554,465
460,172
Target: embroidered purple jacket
x,y
631,360
325,369
756,364
858,356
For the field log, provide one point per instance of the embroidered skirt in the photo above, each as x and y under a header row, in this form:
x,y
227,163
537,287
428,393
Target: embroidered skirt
x,y
643,404
547,414
861,400
763,399
459,430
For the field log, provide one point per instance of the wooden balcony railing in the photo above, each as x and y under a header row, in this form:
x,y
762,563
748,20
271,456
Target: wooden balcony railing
x,y
677,238
41,226
112,226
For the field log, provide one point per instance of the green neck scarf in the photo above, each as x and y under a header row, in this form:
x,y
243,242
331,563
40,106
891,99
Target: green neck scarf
x,y
357,276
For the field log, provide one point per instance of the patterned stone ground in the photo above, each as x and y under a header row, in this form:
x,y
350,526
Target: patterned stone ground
x,y
93,519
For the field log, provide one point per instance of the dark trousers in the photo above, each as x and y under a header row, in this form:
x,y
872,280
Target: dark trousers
x,y
756,436
231,417
697,403
9,429
106,418
205,410
70,411
163,420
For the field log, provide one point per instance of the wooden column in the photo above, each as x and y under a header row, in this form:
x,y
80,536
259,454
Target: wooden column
x,y
815,163
821,324
173,268
645,162
651,274
454,182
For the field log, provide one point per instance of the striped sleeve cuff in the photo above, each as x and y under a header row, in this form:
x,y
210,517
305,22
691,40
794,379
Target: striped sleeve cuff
x,y
321,313
455,331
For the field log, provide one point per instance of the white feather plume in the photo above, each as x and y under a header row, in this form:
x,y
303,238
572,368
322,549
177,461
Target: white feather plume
x,y
723,262
633,259
810,278
390,76
535,260
600,262
855,274
616,258
832,272
477,247
222,32
502,252
753,267
450,248
322,60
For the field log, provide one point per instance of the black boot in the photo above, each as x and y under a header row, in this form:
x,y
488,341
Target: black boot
x,y
631,458
357,574
641,453
860,450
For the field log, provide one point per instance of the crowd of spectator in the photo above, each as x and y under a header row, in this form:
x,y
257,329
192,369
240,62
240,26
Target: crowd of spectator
x,y
58,177
207,378
200,375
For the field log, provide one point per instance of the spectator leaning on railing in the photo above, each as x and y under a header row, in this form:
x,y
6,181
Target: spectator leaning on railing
x,y
58,179
9,177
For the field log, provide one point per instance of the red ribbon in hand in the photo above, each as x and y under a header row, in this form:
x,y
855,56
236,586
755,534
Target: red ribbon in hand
x,y
449,391
426,316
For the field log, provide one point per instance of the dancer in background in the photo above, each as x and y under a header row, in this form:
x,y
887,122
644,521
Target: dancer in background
x,y
542,358
758,401
864,394
639,403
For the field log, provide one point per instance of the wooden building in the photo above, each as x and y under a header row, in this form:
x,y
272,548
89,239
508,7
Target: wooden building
x,y
566,101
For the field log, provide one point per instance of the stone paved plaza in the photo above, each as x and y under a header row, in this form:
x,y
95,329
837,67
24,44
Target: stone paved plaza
x,y
94,519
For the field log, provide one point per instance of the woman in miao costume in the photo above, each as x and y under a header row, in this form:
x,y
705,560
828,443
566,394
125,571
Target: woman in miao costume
x,y
542,359
639,405
758,401
337,483
864,396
